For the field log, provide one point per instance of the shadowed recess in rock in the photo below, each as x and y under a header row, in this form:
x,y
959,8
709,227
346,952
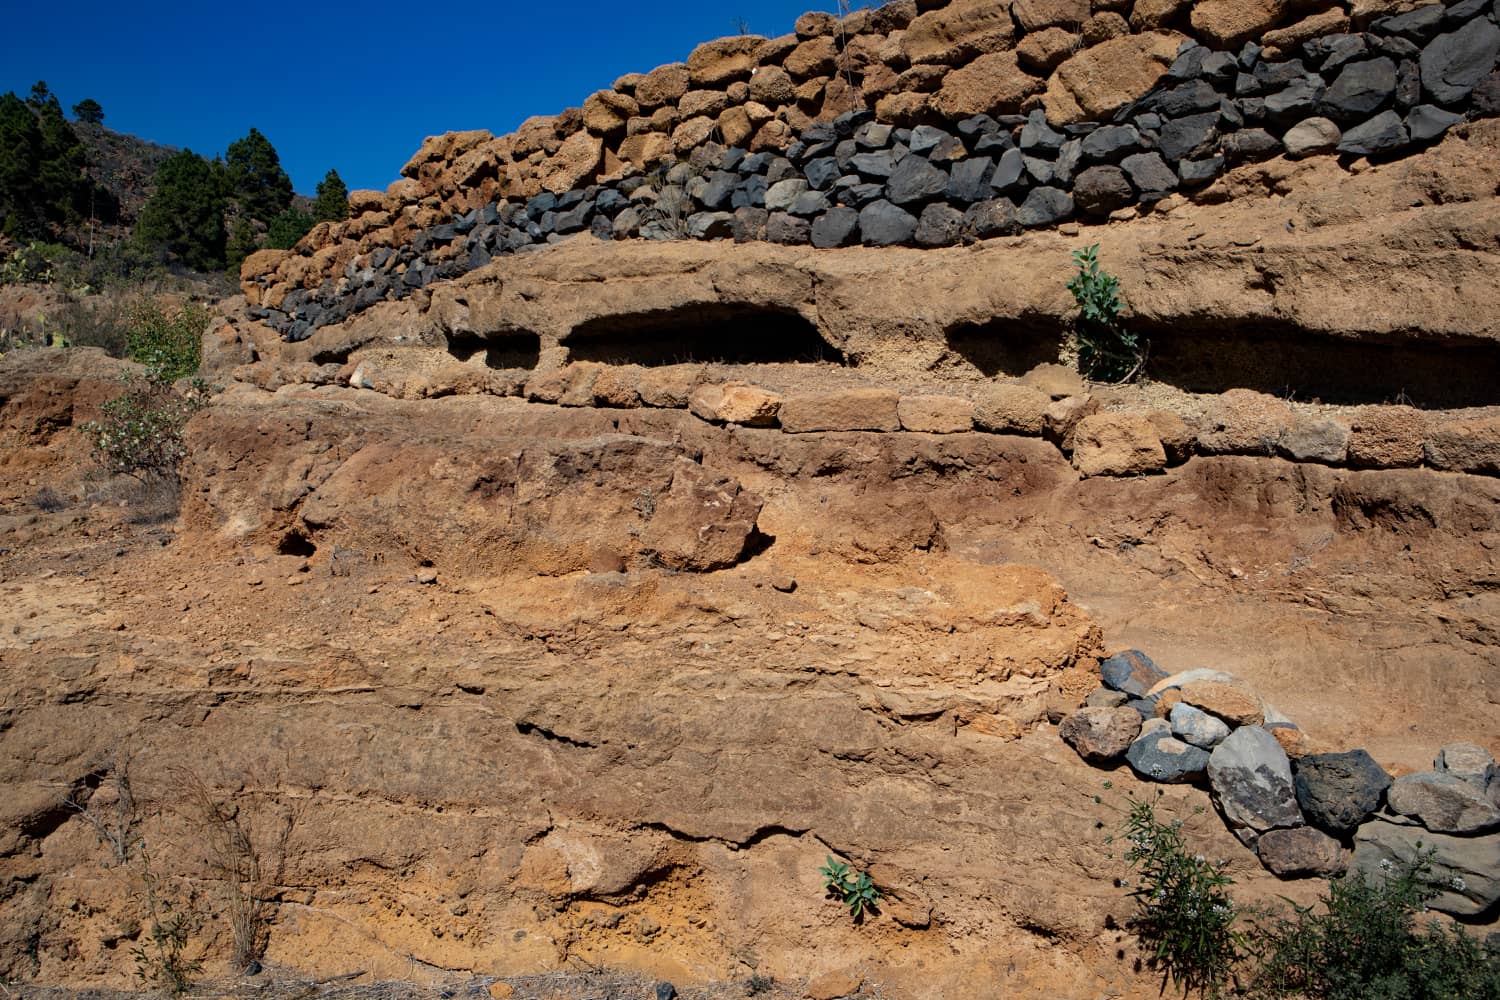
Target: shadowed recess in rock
x,y
507,350
1005,346
1285,360
730,333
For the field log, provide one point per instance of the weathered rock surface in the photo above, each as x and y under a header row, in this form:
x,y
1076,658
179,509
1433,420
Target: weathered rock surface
x,y
1252,781
1100,735
1130,671
1443,803
1339,791
1159,756
1468,868
1301,852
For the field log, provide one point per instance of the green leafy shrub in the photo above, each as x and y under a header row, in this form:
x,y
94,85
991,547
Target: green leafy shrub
x,y
168,342
1107,350
1366,944
855,889
1184,914
32,263
140,432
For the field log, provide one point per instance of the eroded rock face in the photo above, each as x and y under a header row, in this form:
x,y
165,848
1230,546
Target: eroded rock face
x,y
1252,781
1466,867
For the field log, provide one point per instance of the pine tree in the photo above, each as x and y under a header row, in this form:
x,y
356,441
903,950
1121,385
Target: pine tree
x,y
62,173
287,228
21,212
185,215
242,243
262,188
40,94
333,199
89,111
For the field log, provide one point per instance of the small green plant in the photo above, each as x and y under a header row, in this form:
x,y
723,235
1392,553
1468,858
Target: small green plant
x,y
1107,350
34,263
170,342
140,431
1184,914
1366,942
758,984
855,889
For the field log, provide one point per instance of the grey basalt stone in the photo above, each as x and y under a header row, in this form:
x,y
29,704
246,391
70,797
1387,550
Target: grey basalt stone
x,y
1130,671
1045,206
914,181
1469,761
1296,100
1301,852
780,195
1009,170
877,164
1417,25
1110,143
1250,144
1453,64
1443,803
1384,133
1190,138
883,224
1193,725
1186,98
822,172
784,228
1425,123
1150,175
1157,755
1251,779
1339,791
1037,135
970,180
1360,89
838,227
1467,868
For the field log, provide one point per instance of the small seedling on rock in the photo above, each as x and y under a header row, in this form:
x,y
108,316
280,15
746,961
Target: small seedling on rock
x,y
855,889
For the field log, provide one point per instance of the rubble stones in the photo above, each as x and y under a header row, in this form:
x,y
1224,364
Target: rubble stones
x,y
1251,779
1339,791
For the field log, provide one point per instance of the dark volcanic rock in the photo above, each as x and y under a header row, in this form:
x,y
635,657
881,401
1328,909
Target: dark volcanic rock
x,y
1044,206
1360,89
940,226
838,227
1190,138
1382,134
1339,791
970,180
1112,142
882,224
988,219
1453,64
915,180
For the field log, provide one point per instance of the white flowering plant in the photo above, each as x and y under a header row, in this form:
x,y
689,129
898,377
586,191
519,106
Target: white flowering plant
x,y
1184,915
139,433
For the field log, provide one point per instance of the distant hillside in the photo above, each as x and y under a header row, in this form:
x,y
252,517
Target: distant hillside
x,y
122,165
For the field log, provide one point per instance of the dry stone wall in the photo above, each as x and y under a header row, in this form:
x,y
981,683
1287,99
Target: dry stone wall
x,y
925,124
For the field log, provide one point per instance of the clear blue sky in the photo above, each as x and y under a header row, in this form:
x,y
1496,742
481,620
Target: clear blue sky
x,y
354,87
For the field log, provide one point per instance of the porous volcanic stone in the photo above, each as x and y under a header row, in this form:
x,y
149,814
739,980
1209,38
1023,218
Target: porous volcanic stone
x,y
1339,791
1301,852
1013,409
1467,867
936,414
1116,444
990,218
940,225
1229,700
1131,670
845,410
1100,190
1191,137
1251,779
1100,735
1443,803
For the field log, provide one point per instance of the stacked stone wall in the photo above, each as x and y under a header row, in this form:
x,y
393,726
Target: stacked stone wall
x,y
914,124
